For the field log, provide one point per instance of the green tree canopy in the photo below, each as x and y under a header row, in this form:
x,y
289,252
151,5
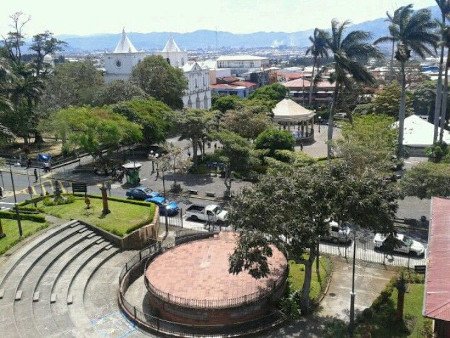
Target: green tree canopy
x,y
235,154
92,129
155,117
274,139
368,144
194,125
224,103
245,123
387,101
71,84
274,92
426,180
117,91
159,79
291,210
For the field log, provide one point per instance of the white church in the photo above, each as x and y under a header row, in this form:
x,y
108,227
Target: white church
x,y
119,65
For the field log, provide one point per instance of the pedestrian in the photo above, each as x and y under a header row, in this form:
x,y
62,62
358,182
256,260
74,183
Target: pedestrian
x,y
157,174
35,175
29,163
301,146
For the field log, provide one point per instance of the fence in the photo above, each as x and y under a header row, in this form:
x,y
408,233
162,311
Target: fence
x,y
134,268
365,252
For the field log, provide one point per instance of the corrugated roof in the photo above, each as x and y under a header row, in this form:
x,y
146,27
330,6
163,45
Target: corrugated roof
x,y
125,45
240,58
437,282
300,83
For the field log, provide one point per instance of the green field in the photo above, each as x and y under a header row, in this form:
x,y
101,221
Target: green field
x,y
11,230
123,219
297,276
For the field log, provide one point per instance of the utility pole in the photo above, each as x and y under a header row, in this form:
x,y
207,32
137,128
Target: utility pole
x,y
352,294
19,224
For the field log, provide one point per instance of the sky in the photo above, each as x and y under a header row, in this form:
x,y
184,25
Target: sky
x,y
89,17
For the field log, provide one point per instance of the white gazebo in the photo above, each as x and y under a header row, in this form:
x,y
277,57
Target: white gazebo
x,y
297,119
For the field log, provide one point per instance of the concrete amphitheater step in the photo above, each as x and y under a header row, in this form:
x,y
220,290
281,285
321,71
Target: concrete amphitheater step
x,y
100,300
77,310
46,273
23,310
18,256
59,312
16,271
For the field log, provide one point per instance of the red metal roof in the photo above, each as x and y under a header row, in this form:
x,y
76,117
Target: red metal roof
x,y
437,280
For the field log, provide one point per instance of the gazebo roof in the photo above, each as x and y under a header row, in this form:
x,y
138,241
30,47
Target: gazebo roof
x,y
289,111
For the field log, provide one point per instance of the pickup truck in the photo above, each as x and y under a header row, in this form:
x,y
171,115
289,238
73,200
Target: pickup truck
x,y
404,244
211,212
337,234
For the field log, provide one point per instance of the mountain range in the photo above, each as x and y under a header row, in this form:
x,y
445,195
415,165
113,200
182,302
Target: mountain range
x,y
209,39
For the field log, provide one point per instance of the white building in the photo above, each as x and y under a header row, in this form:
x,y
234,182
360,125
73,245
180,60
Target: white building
x,y
120,63
240,64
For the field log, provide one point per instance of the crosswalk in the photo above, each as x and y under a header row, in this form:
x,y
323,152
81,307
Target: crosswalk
x,y
45,187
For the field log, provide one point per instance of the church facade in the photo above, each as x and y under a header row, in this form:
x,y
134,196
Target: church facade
x,y
119,65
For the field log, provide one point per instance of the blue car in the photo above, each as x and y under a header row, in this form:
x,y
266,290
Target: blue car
x,y
171,208
141,193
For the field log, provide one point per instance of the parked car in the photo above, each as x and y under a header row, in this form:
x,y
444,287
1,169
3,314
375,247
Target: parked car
x,y
171,208
211,212
403,244
337,233
141,193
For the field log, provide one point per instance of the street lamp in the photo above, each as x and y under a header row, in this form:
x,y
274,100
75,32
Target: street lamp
x,y
19,224
153,163
320,122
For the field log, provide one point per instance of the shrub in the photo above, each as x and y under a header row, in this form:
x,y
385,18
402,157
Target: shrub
x,y
30,217
49,201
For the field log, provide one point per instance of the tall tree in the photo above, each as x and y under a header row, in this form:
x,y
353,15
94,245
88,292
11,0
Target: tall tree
x,y
413,31
444,6
318,48
71,84
235,155
349,54
246,123
444,95
291,211
159,79
44,44
194,125
117,91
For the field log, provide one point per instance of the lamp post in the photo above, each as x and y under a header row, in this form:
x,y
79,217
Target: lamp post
x,y
19,224
320,122
352,293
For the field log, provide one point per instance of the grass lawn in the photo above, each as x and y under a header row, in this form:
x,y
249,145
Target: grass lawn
x,y
123,219
297,276
12,232
383,323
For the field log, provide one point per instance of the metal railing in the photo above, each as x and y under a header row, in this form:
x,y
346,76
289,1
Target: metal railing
x,y
134,268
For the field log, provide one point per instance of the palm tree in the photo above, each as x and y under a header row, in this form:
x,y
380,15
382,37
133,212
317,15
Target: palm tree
x,y
317,49
349,53
390,38
444,6
414,32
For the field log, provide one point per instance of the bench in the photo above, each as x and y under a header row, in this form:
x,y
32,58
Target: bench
x,y
420,269
193,192
210,194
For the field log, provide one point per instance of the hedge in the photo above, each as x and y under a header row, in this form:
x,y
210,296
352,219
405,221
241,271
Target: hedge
x,y
30,217
117,199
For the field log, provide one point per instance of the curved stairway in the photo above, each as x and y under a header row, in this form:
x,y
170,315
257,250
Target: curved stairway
x,y
64,283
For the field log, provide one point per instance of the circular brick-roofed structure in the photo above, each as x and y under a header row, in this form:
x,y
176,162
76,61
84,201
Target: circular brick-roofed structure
x,y
191,283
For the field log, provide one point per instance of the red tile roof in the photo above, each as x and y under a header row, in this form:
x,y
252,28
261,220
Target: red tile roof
x,y
437,282
246,84
300,83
